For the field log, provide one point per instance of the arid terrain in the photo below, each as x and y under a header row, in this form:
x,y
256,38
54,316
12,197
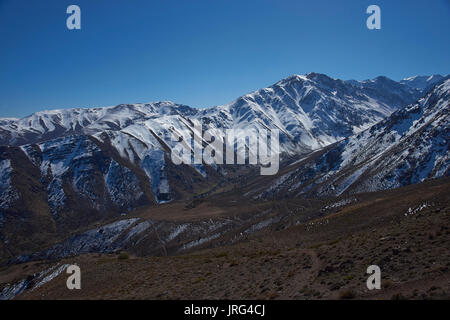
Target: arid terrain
x,y
317,249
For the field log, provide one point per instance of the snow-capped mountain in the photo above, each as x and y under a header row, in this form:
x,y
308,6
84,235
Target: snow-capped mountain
x,y
408,147
424,83
310,111
46,125
314,110
65,169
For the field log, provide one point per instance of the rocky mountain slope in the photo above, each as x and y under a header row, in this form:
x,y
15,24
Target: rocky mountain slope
x,y
408,147
65,170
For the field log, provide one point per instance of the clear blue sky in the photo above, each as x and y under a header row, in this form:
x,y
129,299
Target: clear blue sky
x,y
205,52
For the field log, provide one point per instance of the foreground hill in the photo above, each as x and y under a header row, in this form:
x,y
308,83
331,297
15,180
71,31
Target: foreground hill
x,y
404,231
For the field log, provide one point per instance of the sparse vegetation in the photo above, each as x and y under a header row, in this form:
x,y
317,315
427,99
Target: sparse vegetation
x,y
289,264
123,256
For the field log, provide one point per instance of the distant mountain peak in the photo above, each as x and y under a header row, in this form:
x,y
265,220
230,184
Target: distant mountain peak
x,y
383,78
318,76
423,83
291,79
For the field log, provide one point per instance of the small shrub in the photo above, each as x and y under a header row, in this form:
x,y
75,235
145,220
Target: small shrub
x,y
222,255
387,283
349,277
123,256
199,279
347,294
398,296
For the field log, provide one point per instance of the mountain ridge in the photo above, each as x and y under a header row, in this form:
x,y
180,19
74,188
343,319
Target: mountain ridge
x,y
66,172
407,147
45,122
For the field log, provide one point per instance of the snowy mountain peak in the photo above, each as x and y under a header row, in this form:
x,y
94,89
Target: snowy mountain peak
x,y
424,83
310,111
319,77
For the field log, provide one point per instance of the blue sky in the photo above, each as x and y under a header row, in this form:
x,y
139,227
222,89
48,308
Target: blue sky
x,y
204,52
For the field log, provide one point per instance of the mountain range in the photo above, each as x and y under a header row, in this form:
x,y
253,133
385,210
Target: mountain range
x,y
64,170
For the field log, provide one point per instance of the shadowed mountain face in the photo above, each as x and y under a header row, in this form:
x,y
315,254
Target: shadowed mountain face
x,y
63,170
